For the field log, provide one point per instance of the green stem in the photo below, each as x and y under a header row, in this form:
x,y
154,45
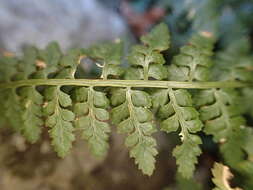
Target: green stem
x,y
104,72
124,83
145,71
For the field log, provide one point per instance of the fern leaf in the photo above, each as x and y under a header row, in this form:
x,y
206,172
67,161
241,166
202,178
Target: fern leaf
x,y
245,166
32,102
223,120
146,59
194,61
51,55
132,116
8,68
157,39
59,119
233,148
49,59
110,55
92,118
13,110
68,63
187,154
11,103
27,65
234,63
175,107
30,98
221,109
221,177
176,110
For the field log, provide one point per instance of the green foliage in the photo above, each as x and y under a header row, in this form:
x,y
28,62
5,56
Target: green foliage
x,y
109,55
13,109
193,62
50,57
39,89
176,107
10,106
8,68
91,119
186,155
147,60
132,116
221,113
235,62
221,109
28,66
177,111
59,119
32,102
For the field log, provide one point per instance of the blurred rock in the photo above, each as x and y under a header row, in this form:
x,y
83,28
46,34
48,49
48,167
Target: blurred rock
x,y
71,23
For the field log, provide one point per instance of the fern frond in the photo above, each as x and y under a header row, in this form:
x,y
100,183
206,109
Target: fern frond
x,y
175,107
132,117
68,63
51,54
193,63
13,109
177,111
30,99
245,167
40,89
32,102
109,55
91,119
27,65
234,63
10,99
59,119
147,60
187,155
49,59
220,111
8,68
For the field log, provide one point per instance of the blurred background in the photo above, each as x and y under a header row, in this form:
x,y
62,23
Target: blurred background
x,y
81,23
